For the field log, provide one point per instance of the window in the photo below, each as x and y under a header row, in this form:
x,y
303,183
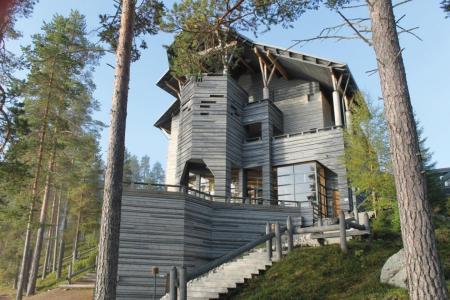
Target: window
x,y
304,183
253,132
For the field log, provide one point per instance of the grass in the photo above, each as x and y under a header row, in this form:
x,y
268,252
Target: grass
x,y
326,273
51,282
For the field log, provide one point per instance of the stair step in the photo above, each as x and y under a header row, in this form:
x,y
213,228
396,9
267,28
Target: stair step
x,y
77,286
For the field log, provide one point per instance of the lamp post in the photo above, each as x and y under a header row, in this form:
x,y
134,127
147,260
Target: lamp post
x,y
154,270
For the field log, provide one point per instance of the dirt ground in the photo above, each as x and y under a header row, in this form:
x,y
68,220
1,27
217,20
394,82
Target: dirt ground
x,y
57,294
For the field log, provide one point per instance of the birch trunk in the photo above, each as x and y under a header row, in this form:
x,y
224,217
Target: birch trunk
x,y
31,289
105,287
424,273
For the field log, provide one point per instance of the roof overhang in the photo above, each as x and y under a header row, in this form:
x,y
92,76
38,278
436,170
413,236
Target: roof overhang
x,y
296,64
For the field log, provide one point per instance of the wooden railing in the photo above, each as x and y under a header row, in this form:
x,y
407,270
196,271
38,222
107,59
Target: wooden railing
x,y
207,196
179,277
313,130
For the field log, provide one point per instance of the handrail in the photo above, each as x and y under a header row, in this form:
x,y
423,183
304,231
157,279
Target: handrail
x,y
313,130
211,197
231,255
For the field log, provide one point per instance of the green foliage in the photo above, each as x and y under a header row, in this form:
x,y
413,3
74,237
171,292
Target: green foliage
x,y
57,97
325,273
445,4
135,170
11,108
367,159
435,192
147,18
369,169
207,30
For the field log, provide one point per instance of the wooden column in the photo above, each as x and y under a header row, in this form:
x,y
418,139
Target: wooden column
x,y
337,109
242,182
269,242
182,283
355,206
336,100
278,240
366,221
290,233
342,232
173,284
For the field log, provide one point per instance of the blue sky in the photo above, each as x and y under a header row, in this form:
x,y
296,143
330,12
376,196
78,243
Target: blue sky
x,y
427,65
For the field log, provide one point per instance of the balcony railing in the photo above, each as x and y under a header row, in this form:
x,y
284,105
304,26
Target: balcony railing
x,y
207,196
312,130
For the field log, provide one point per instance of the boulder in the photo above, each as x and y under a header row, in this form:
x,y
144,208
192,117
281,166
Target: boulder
x,y
394,270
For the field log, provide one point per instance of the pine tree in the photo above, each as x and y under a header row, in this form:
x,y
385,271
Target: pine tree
x,y
368,162
132,24
55,89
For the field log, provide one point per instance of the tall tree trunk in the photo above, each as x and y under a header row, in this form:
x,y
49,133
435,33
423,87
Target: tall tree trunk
x,y
31,289
424,273
105,286
56,225
77,233
50,235
34,191
61,240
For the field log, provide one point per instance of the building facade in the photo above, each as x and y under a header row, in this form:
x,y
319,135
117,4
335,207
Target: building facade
x,y
269,131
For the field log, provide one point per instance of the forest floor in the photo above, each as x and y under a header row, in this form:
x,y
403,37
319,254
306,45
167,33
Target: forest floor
x,y
54,294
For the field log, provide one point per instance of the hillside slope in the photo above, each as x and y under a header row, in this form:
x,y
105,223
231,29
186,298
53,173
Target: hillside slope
x,y
325,273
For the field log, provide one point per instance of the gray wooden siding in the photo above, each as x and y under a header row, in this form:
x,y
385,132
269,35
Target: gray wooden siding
x,y
171,229
172,150
327,147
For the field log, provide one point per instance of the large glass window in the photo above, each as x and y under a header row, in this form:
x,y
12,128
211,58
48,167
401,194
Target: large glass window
x,y
304,183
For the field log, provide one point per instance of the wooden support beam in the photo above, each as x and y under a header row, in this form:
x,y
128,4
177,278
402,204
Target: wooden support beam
x,y
177,91
277,65
262,59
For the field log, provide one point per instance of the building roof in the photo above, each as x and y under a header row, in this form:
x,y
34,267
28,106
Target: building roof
x,y
296,64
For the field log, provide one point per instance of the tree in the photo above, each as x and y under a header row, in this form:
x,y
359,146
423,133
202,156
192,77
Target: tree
x,y
131,168
206,30
105,286
368,161
157,173
58,84
445,4
135,21
10,108
436,194
424,273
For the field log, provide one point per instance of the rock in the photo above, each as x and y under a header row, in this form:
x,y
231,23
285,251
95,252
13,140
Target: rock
x,y
394,270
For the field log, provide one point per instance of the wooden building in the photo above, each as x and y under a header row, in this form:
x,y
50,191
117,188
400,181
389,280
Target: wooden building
x,y
272,128
256,145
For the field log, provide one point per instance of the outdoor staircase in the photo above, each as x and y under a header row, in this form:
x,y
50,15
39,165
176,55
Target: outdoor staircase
x,y
226,277
85,282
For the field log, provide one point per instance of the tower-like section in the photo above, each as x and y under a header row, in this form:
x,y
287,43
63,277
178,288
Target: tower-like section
x,y
209,137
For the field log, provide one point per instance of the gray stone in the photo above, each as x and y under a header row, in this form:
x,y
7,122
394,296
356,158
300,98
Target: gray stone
x,y
394,270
